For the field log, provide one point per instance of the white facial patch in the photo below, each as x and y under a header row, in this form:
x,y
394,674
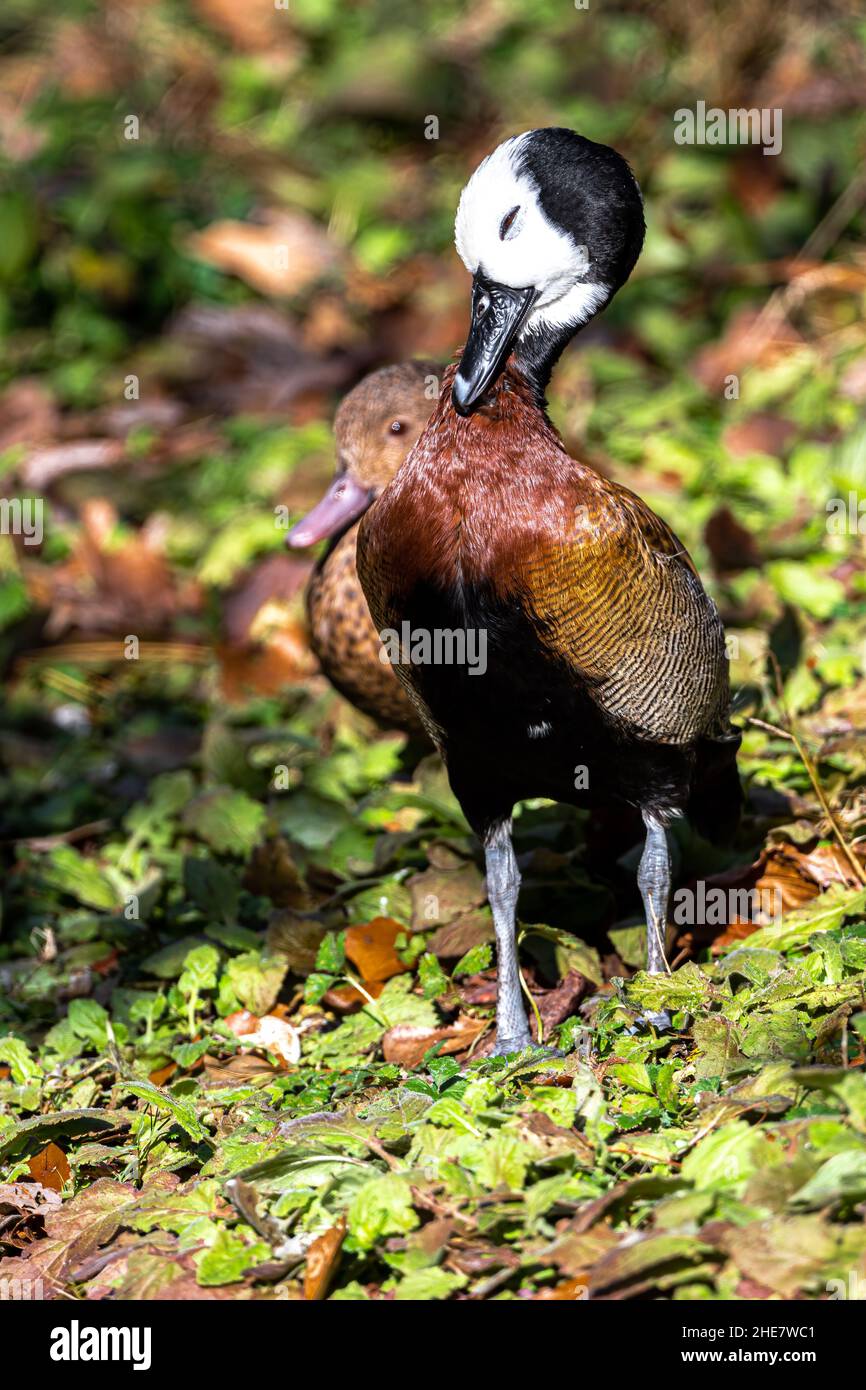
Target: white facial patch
x,y
533,250
577,305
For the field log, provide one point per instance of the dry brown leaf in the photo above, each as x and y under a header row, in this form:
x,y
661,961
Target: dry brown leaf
x,y
50,1167
747,339
731,545
470,929
281,255
853,382
28,414
441,894
273,580
242,1022
781,879
103,588
282,662
273,873
323,1258
407,1044
295,936
759,434
557,1004
257,25
236,1071
570,1290
346,999
163,1074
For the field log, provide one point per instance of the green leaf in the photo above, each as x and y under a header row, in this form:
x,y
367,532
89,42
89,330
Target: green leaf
x,y
213,888
317,984
434,982
89,1021
842,1177
19,233
825,913
69,872
382,1207
257,979
504,1162
228,1258
422,1285
199,970
187,1054
571,953
635,1075
331,955
442,1070
687,989
17,1054
806,587
179,1107
477,958
229,821
559,1105
728,1155
168,962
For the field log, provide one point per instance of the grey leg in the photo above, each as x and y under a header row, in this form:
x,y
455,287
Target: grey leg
x,y
503,886
654,882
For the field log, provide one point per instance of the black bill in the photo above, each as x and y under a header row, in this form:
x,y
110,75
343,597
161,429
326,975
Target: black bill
x,y
498,314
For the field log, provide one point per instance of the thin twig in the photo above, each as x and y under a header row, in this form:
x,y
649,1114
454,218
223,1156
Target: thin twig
x,y
812,773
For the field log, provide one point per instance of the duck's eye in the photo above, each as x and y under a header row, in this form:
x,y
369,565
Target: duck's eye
x,y
397,426
508,222
482,305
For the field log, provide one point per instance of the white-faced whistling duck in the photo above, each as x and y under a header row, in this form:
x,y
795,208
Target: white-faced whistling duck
x,y
606,675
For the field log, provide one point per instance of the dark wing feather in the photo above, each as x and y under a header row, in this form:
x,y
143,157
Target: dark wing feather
x,y
619,601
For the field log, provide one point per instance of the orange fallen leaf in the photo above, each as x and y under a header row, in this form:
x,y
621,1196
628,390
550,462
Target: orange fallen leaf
x,y
162,1074
370,948
570,1290
50,1167
346,998
107,964
242,1022
322,1260
281,662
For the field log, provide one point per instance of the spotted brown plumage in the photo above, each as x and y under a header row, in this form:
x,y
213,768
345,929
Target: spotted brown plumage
x,y
375,427
346,643
605,676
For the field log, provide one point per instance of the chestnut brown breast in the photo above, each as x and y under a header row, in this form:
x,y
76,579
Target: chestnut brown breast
x,y
599,633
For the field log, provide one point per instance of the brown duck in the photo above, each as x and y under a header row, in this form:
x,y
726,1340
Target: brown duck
x,y
604,677
375,427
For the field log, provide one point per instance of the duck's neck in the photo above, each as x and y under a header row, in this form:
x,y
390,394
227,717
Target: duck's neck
x,y
540,346
476,440
537,353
